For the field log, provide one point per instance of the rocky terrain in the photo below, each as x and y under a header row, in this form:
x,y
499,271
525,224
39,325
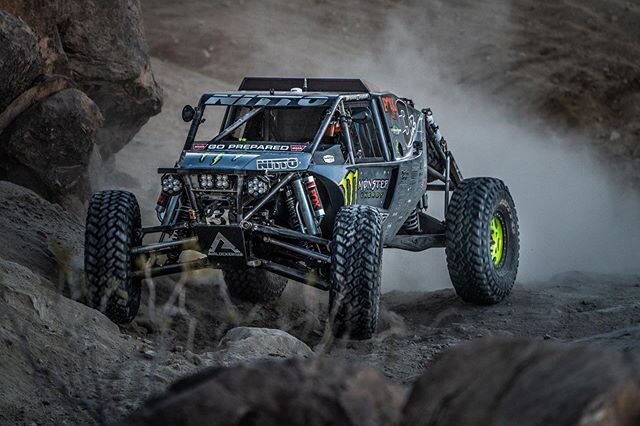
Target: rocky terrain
x,y
75,77
538,82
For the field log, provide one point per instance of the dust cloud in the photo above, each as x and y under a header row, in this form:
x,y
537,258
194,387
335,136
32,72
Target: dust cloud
x,y
574,215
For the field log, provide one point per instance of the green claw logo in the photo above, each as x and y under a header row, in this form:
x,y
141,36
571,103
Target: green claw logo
x,y
349,185
216,159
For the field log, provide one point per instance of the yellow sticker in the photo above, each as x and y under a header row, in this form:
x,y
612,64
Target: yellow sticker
x,y
349,185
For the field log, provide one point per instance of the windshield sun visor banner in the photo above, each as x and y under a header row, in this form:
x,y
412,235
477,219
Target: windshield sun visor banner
x,y
248,146
268,100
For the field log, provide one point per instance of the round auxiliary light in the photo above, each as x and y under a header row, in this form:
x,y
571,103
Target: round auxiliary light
x,y
222,182
171,184
257,186
205,181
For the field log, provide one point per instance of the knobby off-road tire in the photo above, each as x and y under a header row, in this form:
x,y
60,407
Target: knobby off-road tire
x,y
254,285
113,221
354,296
482,267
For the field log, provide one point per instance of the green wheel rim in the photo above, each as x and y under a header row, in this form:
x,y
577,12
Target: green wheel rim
x,y
496,234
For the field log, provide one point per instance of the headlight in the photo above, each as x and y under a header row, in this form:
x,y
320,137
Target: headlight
x,y
258,186
171,184
222,182
205,181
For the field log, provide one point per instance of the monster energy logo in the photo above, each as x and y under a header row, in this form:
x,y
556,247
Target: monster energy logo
x,y
349,185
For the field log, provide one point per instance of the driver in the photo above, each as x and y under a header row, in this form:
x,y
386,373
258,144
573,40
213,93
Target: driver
x,y
333,130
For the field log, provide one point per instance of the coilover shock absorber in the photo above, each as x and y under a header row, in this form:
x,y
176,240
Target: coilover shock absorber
x,y
307,215
290,201
314,196
412,224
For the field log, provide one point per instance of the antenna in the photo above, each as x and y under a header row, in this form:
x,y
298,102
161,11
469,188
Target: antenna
x,y
304,86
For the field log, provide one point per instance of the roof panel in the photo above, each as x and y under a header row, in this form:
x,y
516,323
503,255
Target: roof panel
x,y
337,85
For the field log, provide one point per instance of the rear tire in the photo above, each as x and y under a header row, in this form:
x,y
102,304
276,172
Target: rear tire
x,y
254,285
113,221
356,270
482,266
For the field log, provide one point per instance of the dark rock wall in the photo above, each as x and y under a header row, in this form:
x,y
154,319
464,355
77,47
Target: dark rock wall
x,y
100,47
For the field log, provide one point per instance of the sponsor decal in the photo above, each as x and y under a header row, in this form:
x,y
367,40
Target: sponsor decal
x,y
373,184
267,100
221,246
199,146
216,159
297,148
390,107
395,130
349,185
328,158
371,195
277,163
248,147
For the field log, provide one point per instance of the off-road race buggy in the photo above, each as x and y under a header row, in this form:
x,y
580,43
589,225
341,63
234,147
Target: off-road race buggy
x,y
308,180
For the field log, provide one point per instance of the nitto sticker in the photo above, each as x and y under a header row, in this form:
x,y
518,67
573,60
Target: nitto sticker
x,y
221,246
328,158
297,148
267,100
277,163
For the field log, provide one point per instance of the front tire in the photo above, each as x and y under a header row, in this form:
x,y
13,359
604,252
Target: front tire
x,y
482,241
356,270
254,285
113,222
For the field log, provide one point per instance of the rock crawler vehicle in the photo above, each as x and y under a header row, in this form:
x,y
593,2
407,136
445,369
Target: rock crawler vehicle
x,y
305,180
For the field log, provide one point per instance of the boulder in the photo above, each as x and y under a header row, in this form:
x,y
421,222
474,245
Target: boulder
x,y
247,344
101,46
292,392
524,382
48,147
21,63
38,234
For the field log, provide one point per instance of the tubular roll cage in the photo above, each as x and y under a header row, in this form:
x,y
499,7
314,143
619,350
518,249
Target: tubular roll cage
x,y
274,235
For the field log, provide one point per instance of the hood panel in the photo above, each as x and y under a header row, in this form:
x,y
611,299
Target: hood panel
x,y
239,161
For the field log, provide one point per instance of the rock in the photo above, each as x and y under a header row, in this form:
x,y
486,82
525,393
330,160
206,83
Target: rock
x,y
72,357
38,234
101,46
247,344
21,63
517,381
47,148
292,392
